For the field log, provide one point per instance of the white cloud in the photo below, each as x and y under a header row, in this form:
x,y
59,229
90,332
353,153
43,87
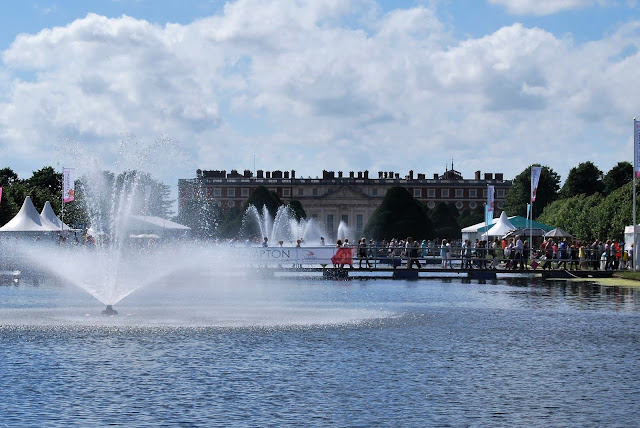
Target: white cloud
x,y
305,86
545,7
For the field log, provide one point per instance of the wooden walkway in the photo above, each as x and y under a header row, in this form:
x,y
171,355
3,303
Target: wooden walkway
x,y
402,273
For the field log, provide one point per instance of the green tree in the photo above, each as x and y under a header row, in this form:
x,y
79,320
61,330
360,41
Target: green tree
x,y
617,177
519,195
586,179
445,221
614,213
398,216
468,218
297,210
576,215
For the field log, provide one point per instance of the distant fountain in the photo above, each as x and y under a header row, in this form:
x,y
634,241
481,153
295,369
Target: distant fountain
x,y
283,227
344,232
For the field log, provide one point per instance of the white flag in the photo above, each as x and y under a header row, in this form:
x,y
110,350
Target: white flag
x,y
535,178
68,187
490,199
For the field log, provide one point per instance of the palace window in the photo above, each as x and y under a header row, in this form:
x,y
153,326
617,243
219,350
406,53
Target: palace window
x,y
245,192
473,193
359,222
231,193
286,192
300,191
444,193
217,192
459,193
431,193
417,193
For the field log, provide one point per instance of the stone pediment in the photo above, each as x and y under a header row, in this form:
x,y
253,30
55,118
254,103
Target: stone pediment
x,y
344,192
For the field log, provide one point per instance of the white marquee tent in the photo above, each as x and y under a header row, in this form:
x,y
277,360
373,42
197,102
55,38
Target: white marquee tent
x,y
28,220
48,215
500,227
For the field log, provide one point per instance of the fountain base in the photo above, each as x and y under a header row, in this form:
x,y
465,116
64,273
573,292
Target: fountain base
x,y
109,311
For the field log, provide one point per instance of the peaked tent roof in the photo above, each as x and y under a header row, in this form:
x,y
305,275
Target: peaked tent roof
x,y
500,227
28,220
47,214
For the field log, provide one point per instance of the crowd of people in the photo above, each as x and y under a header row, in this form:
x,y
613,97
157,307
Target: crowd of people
x,y
507,253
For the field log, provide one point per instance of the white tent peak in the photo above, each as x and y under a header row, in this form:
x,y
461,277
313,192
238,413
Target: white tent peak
x,y
47,215
28,220
501,227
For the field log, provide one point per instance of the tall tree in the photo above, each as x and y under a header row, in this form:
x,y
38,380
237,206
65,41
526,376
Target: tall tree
x,y
519,195
444,219
297,210
617,177
398,216
586,178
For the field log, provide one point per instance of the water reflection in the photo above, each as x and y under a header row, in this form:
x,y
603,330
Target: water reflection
x,y
541,293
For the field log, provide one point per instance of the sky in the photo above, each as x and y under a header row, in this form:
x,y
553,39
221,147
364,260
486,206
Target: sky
x,y
313,85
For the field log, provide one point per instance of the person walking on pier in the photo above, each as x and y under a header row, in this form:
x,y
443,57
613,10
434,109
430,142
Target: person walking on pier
x,y
362,252
411,249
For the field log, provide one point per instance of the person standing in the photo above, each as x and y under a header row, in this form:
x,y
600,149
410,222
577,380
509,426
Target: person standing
x,y
362,252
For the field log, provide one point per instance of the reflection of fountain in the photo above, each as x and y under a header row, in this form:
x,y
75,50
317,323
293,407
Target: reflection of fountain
x,y
283,227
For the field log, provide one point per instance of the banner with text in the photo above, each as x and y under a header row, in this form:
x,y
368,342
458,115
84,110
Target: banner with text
x,y
293,255
68,188
535,178
490,199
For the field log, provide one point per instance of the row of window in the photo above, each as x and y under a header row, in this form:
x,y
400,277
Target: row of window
x,y
459,193
216,192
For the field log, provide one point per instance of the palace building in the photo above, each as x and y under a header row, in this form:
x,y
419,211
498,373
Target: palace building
x,y
336,197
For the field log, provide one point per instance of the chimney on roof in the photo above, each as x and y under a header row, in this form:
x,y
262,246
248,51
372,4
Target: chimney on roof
x,y
477,175
259,173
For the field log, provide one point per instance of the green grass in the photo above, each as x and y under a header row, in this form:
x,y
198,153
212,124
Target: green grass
x,y
635,276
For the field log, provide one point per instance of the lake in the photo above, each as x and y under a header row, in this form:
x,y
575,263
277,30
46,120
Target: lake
x,y
243,351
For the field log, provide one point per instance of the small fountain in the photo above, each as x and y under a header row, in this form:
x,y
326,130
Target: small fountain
x,y
283,227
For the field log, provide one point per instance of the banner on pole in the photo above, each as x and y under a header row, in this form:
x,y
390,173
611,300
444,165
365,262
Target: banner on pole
x,y
490,199
0,193
636,148
535,178
68,188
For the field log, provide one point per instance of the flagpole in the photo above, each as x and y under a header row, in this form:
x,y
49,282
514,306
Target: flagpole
x,y
635,173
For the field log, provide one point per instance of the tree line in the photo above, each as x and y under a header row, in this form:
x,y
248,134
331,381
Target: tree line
x,y
590,204
92,196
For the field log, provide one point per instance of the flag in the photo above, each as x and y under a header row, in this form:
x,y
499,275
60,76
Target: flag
x,y
0,193
636,148
488,217
68,188
490,199
535,178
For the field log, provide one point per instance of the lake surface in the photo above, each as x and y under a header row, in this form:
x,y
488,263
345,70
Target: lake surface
x,y
249,352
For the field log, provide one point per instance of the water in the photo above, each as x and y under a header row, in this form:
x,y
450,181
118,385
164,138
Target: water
x,y
208,351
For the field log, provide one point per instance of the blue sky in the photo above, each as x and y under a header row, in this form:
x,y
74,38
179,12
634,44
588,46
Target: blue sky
x,y
495,85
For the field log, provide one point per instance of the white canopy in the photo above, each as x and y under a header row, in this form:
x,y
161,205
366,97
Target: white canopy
x,y
28,220
47,214
500,227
